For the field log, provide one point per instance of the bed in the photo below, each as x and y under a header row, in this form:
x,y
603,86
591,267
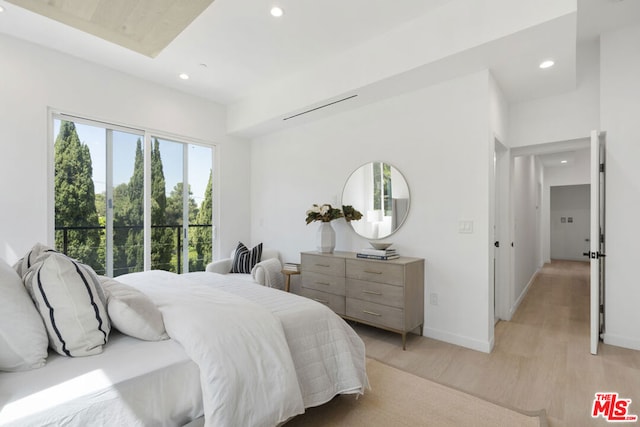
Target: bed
x,y
132,382
239,354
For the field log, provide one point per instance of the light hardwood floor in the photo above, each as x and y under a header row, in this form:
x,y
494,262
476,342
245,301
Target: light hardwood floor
x,y
541,358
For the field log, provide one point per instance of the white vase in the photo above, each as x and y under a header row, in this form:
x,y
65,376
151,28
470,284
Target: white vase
x,y
326,238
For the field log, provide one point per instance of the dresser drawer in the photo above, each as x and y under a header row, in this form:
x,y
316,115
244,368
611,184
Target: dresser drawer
x,y
323,282
376,314
334,302
380,293
375,271
323,264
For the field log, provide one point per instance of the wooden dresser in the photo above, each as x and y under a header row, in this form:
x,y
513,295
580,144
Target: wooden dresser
x,y
386,294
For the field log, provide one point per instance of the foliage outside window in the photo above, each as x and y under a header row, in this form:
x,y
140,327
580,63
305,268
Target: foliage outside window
x,y
382,187
81,217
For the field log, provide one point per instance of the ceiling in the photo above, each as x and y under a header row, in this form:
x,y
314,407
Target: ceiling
x,y
240,43
564,158
235,47
144,26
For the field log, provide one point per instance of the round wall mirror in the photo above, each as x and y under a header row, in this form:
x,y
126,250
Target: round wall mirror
x,y
380,192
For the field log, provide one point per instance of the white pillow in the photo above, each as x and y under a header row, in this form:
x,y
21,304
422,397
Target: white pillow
x,y
71,302
23,338
132,312
30,258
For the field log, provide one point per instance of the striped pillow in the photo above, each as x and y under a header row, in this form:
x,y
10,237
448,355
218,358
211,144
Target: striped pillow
x,y
30,258
70,300
244,259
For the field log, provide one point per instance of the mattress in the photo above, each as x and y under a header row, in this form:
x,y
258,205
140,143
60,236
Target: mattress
x,y
131,383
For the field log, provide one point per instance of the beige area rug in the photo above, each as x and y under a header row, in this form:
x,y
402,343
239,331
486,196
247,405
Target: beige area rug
x,y
398,398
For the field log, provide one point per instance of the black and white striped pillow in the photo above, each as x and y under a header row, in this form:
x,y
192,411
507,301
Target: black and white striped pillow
x,y
244,259
30,258
70,300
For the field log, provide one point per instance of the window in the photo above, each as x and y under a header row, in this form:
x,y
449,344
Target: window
x,y
116,188
382,196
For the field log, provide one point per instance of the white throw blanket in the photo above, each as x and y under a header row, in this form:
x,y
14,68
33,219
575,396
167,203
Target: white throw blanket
x,y
271,271
247,373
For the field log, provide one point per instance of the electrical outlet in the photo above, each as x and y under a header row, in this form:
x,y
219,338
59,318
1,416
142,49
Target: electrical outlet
x,y
433,298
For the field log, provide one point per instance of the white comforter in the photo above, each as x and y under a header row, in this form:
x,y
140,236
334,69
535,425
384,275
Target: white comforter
x,y
328,355
267,354
247,375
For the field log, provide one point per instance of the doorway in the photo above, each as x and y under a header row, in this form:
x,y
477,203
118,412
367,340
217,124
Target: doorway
x,y
569,219
501,243
547,164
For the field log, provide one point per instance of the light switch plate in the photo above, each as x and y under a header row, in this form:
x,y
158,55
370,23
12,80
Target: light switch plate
x,y
465,227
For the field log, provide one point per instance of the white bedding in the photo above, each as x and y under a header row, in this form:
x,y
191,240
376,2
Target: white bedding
x,y
131,383
247,374
261,356
328,355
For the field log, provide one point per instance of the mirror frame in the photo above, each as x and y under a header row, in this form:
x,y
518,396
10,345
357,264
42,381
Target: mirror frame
x,y
344,202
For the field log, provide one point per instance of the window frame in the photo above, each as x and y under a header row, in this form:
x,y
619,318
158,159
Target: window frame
x,y
147,135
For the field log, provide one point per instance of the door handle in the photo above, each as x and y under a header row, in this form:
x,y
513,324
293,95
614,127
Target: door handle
x,y
594,255
496,243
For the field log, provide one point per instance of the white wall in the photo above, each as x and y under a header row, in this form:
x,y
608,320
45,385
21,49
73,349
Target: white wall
x,y
525,199
33,78
620,110
563,117
570,219
499,258
437,137
574,173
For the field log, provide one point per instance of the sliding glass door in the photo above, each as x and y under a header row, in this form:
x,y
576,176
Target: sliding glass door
x,y
117,188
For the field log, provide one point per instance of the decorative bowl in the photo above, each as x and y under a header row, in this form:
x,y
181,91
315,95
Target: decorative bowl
x,y
380,245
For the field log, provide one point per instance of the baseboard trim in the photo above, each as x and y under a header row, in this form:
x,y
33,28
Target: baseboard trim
x,y
620,341
517,303
473,344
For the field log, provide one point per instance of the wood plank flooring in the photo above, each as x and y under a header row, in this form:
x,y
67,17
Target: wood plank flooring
x,y
541,359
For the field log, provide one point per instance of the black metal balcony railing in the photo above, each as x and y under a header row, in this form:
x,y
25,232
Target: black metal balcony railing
x,y
177,242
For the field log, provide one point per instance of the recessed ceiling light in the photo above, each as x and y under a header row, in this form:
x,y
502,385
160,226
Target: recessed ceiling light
x,y
563,161
184,76
277,11
1,9
547,63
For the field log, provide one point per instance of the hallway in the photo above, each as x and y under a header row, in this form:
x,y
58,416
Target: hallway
x,y
541,358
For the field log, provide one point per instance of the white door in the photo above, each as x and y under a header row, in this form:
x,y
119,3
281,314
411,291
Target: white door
x,y
596,253
500,232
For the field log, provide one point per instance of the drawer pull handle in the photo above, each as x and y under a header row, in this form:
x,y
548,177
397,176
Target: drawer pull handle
x,y
371,313
323,265
322,301
323,283
371,292
373,272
